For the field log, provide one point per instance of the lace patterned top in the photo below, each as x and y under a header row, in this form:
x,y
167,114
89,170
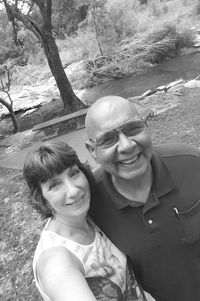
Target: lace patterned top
x,y
105,266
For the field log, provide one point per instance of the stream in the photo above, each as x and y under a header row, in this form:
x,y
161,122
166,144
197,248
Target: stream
x,y
186,67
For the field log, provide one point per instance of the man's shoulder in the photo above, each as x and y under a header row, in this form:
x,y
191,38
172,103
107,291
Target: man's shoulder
x,y
168,150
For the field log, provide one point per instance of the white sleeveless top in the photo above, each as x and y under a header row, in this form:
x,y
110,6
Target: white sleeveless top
x,y
105,266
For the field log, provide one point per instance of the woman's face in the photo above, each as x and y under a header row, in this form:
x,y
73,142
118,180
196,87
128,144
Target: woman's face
x,y
68,193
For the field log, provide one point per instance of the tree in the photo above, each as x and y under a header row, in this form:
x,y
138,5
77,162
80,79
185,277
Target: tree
x,y
42,29
101,23
5,87
67,14
94,7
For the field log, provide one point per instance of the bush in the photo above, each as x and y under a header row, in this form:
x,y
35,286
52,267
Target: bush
x,y
140,52
30,45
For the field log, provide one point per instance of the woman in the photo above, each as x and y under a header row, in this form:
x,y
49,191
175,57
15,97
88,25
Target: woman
x,y
73,260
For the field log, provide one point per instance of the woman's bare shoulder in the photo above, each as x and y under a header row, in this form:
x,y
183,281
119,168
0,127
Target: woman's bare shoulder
x,y
57,258
60,273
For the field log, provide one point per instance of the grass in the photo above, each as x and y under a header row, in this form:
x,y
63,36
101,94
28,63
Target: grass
x,y
19,234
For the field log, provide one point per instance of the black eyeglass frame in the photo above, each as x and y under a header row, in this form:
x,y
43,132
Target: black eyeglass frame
x,y
120,128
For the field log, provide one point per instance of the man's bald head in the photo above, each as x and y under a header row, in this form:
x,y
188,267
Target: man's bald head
x,y
106,110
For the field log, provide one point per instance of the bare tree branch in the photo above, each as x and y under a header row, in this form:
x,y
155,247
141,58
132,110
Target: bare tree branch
x,y
2,85
11,101
27,21
9,106
4,102
8,78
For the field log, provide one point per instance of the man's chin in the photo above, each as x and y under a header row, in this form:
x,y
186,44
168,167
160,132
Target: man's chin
x,y
129,173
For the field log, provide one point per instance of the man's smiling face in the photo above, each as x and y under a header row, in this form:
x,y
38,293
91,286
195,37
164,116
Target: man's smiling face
x,y
130,156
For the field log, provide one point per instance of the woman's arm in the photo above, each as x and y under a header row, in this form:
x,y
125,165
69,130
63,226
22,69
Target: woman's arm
x,y
60,275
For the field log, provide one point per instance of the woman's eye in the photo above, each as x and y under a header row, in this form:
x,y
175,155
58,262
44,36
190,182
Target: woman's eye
x,y
53,185
75,172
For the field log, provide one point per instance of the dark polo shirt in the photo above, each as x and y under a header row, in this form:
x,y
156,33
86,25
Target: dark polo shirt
x,y
162,238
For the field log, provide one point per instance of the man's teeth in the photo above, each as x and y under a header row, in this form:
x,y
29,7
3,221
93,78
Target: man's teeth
x,y
129,161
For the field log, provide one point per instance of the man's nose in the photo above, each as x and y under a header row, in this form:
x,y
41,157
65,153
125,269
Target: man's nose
x,y
125,143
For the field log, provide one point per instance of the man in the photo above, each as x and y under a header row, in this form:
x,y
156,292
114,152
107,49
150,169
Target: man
x,y
147,200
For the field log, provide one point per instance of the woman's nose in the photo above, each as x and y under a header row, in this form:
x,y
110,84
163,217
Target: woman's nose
x,y
71,189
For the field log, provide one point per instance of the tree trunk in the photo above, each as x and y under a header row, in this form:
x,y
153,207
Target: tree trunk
x,y
12,115
70,100
15,121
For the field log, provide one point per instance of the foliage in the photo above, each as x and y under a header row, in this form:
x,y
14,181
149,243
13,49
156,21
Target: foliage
x,y
7,48
137,54
67,14
148,34
29,43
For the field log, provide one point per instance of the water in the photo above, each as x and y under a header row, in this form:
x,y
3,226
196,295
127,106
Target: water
x,y
186,67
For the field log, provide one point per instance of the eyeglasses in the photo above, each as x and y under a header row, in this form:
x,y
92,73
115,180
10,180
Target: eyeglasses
x,y
130,128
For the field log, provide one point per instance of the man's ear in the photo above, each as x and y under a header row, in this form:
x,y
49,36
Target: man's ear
x,y
91,149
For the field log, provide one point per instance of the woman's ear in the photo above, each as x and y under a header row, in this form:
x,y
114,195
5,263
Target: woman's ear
x,y
91,149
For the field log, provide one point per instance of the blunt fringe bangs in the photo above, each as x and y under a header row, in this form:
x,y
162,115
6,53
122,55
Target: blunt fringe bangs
x,y
48,160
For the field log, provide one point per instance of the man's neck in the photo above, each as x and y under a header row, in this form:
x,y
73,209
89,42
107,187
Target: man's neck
x,y
136,189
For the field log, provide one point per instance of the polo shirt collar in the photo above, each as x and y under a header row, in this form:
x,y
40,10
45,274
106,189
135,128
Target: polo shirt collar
x,y
163,183
119,200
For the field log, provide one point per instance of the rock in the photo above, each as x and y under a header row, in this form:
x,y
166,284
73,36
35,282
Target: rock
x,y
192,84
178,93
196,42
176,89
177,82
149,92
161,88
136,99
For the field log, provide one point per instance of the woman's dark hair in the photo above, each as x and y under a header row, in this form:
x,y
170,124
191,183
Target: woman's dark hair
x,y
48,160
